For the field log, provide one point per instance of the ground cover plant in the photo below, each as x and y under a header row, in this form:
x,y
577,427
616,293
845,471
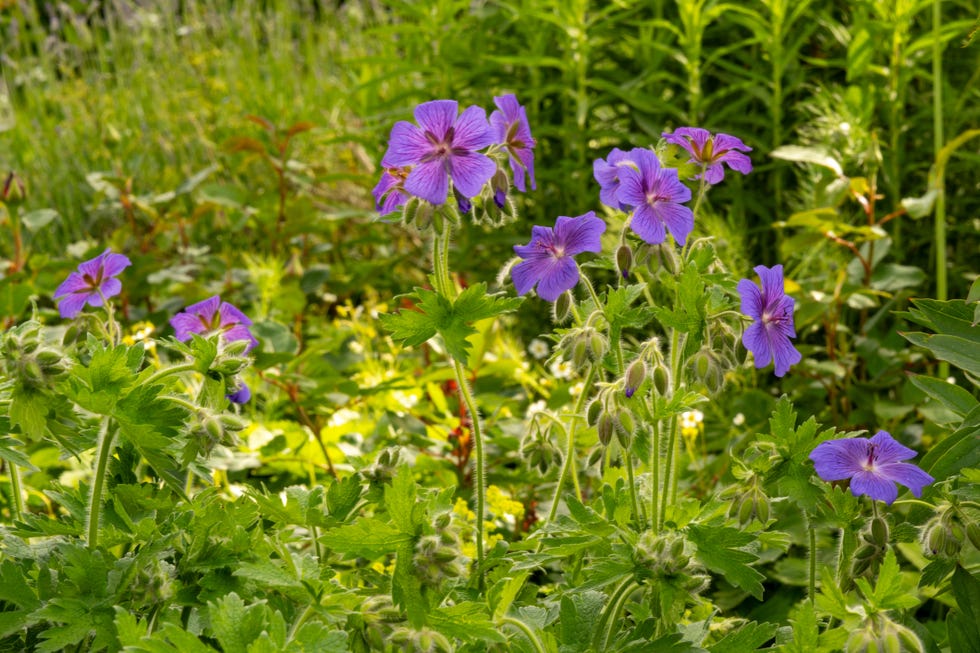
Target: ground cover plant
x,y
609,327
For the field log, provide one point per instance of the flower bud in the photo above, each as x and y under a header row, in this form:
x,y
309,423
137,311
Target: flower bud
x,y
598,345
562,307
232,423
661,380
593,411
668,258
866,551
438,221
605,429
973,534
879,532
14,190
580,352
746,510
625,427
636,373
594,457
624,260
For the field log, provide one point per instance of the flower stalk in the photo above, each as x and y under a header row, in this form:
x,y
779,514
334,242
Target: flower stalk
x,y
105,448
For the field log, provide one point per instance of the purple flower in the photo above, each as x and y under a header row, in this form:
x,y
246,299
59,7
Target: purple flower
x,y
213,316
390,193
656,195
548,258
92,284
240,396
510,129
768,337
710,152
607,173
443,146
874,466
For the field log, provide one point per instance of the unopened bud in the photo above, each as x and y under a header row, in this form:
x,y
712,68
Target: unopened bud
x,y
235,347
593,411
598,345
636,373
625,427
866,551
605,429
580,353
973,534
438,221
669,258
661,380
14,190
702,364
879,532
624,260
594,457
746,510
233,422
562,307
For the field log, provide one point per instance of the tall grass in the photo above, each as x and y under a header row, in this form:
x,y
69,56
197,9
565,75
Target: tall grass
x,y
153,90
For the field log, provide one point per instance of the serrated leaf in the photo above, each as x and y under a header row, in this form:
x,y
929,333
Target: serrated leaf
x,y
747,638
234,624
314,636
502,593
367,538
578,619
963,625
342,496
28,410
467,621
934,573
400,500
719,550
406,589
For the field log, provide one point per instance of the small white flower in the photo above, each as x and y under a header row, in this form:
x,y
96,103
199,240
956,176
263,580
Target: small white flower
x,y
577,389
845,127
561,369
538,348
407,400
343,416
538,406
951,379
738,420
356,347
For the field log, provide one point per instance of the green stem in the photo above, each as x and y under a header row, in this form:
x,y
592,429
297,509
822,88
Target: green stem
x,y
655,471
168,371
608,621
15,490
637,514
569,465
670,473
105,446
813,559
440,265
300,621
937,144
524,628
592,293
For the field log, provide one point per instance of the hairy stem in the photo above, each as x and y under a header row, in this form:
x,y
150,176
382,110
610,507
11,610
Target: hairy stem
x,y
16,492
937,144
524,628
608,621
105,447
568,468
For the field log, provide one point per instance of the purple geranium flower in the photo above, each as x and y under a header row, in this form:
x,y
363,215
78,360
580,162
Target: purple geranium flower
x,y
442,146
390,193
241,395
510,129
607,173
656,195
214,316
710,152
874,466
548,258
92,284
768,337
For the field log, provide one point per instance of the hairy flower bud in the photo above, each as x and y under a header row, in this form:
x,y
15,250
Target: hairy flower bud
x,y
593,411
605,429
580,352
661,380
879,532
624,260
636,373
598,345
562,307
625,428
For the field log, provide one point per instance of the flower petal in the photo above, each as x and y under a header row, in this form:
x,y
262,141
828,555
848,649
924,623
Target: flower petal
x,y
73,284
562,274
647,225
874,485
470,171
528,272
436,117
784,354
206,308
631,190
889,450
736,161
580,234
240,332
113,264
185,324
541,238
73,304
429,181
715,174
752,304
678,218
240,396
471,130
231,316
756,340
772,285
406,145
836,460
110,288
908,475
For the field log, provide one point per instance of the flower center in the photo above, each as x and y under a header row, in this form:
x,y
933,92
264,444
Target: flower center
x,y
869,465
